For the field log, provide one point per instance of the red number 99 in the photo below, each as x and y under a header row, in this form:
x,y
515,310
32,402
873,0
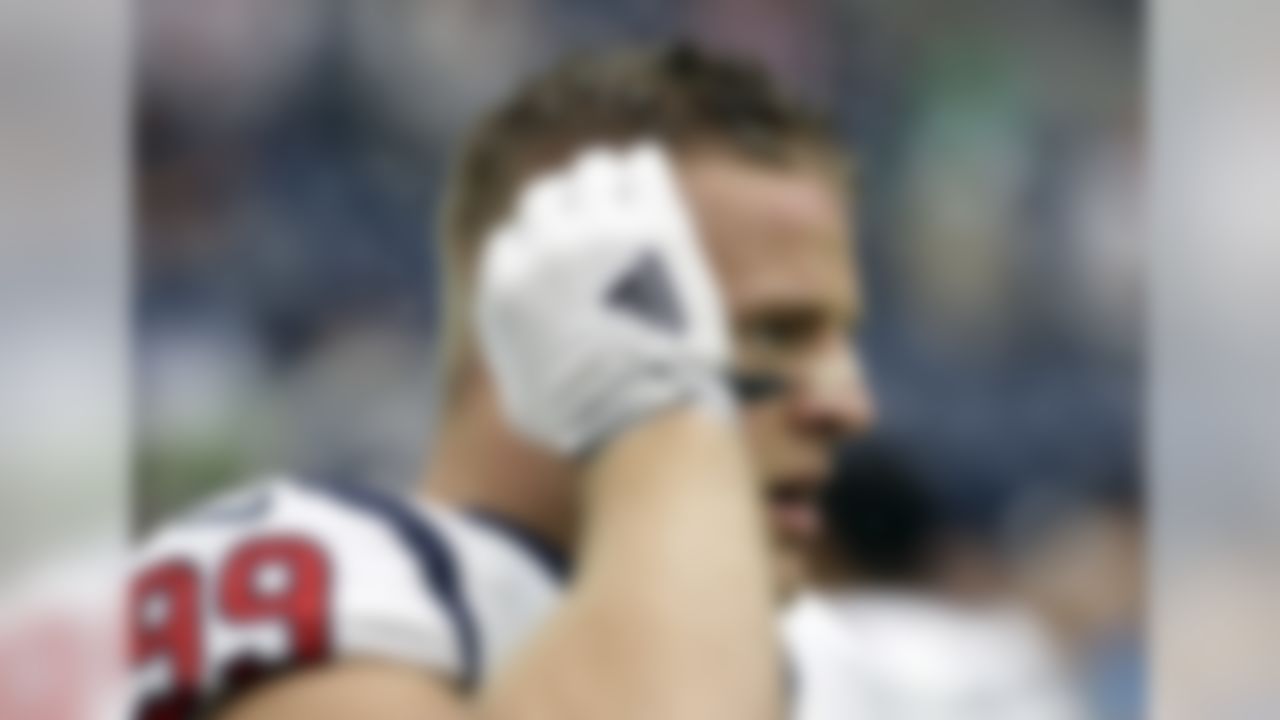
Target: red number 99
x,y
283,579
279,579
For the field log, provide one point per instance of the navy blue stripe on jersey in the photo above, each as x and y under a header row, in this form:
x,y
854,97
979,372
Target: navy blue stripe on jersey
x,y
436,563
555,562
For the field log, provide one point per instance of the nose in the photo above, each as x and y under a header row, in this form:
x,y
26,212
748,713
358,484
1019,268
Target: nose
x,y
834,400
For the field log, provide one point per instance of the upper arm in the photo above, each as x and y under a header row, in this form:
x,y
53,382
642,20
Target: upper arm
x,y
363,690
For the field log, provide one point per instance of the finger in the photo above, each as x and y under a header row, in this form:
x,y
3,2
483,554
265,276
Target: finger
x,y
506,259
543,206
654,182
596,184
650,176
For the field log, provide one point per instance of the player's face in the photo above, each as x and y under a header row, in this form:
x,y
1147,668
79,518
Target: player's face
x,y
780,244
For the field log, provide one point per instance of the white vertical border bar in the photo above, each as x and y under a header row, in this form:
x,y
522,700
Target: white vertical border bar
x,y
64,308
64,78
1214,406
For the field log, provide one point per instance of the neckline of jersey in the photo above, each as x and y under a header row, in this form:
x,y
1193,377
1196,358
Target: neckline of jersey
x,y
555,561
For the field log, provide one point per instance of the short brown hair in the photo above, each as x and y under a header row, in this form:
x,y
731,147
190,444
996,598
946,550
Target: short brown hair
x,y
677,94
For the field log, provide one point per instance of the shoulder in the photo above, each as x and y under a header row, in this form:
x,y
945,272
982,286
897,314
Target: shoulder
x,y
284,574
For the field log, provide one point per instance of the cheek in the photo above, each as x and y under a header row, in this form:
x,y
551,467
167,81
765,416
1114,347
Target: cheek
x,y
764,426
771,437
780,443
791,568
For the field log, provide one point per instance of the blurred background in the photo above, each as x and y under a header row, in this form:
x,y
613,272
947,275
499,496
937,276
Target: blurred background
x,y
289,158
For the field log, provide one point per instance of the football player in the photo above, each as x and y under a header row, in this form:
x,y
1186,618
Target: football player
x,y
647,359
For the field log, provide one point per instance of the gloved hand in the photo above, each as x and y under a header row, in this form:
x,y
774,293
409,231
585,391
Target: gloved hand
x,y
596,307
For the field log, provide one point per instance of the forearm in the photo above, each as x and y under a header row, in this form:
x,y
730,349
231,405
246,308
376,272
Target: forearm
x,y
670,617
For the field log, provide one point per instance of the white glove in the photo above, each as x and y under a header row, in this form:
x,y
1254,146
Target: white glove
x,y
596,307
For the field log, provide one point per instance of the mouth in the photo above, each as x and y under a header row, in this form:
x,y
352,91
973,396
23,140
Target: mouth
x,y
794,510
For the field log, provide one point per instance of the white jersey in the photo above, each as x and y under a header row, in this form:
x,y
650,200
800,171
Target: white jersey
x,y
888,656
287,574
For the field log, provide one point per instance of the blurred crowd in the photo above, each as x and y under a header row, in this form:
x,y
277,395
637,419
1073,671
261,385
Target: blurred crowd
x,y
290,156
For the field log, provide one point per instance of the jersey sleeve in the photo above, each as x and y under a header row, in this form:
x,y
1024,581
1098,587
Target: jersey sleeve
x,y
280,577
